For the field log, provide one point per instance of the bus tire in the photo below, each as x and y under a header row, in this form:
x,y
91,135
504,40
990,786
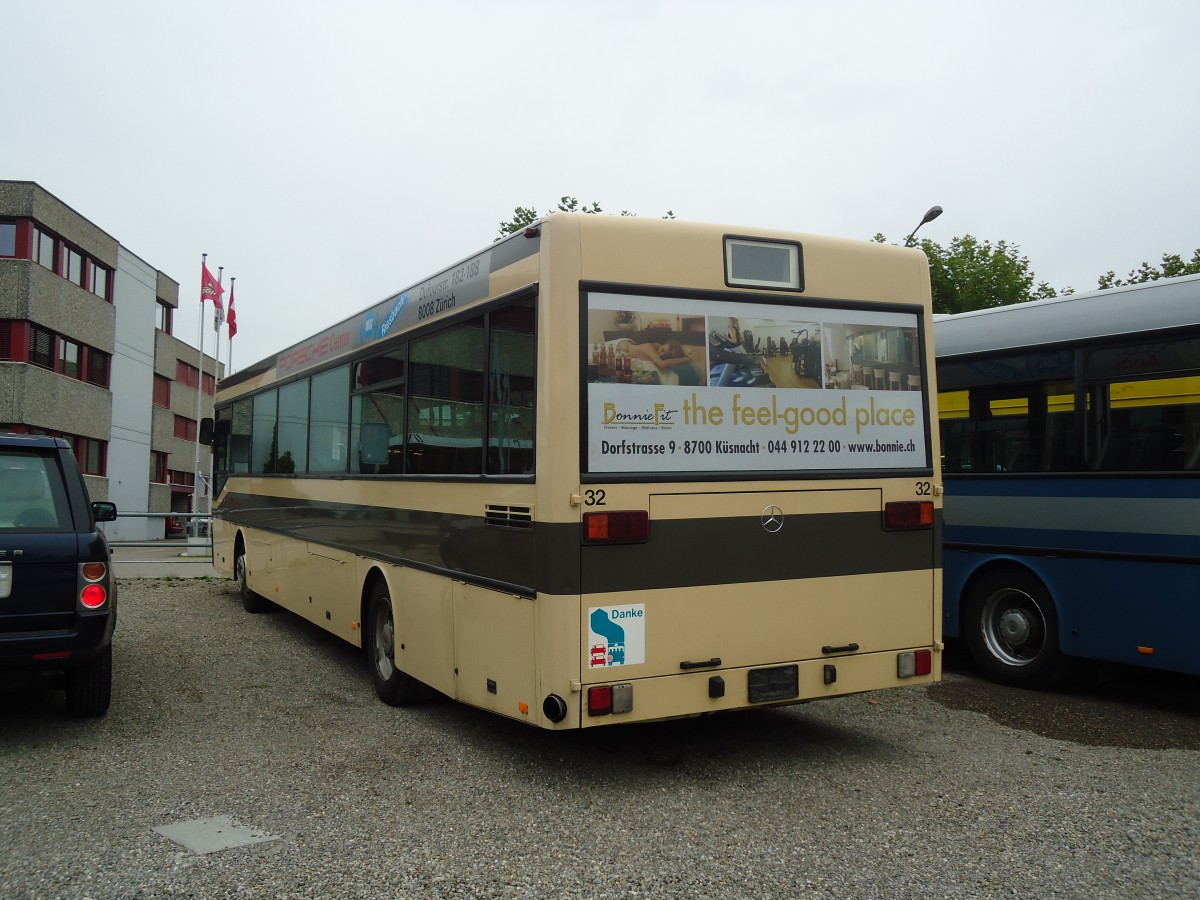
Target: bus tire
x,y
1010,627
251,602
394,687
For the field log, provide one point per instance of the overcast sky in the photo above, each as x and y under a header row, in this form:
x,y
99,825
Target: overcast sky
x,y
330,154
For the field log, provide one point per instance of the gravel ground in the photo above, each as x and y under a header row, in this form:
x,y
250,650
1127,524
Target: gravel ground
x,y
942,792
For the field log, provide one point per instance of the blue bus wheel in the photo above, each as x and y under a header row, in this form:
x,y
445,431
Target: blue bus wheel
x,y
1010,627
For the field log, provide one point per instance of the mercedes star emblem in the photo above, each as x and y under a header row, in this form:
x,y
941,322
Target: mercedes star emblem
x,y
772,519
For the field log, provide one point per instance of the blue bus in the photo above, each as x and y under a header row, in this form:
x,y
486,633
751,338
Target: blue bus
x,y
1070,432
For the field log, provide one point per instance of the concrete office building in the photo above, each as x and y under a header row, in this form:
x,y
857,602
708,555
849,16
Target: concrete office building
x,y
87,354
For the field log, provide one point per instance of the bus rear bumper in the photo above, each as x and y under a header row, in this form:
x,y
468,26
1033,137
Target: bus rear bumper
x,y
780,684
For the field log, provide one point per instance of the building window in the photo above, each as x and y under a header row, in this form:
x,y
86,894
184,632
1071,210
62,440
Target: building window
x,y
98,280
158,467
43,249
185,428
68,358
162,391
90,453
41,346
6,333
8,238
73,265
210,384
186,374
97,367
179,479
162,317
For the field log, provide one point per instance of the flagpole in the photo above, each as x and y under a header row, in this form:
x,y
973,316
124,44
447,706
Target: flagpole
x,y
218,318
218,315
229,365
199,393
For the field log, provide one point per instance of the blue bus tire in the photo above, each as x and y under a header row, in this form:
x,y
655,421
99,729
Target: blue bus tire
x,y
1010,627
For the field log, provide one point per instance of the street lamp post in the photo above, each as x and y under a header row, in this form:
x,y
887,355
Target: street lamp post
x,y
934,212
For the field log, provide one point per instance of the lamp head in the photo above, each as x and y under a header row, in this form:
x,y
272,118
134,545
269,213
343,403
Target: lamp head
x,y
933,213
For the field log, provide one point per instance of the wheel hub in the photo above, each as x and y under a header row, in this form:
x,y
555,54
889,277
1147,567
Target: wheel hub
x,y
1014,626
384,638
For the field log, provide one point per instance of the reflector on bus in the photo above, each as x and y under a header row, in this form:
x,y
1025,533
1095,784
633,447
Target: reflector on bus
x,y
901,514
627,526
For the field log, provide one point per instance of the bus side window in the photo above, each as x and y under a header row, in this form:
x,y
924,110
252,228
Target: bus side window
x,y
330,405
447,391
512,361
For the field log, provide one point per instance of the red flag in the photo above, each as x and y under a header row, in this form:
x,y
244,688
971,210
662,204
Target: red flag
x,y
231,319
210,288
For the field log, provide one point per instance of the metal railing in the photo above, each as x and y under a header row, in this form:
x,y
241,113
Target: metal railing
x,y
197,534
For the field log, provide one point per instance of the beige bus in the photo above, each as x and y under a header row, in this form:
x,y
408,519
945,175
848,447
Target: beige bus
x,y
607,470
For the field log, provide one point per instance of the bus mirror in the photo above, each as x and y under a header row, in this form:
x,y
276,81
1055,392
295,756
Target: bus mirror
x,y
206,431
373,443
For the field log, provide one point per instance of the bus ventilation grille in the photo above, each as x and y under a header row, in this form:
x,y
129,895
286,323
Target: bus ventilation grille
x,y
501,516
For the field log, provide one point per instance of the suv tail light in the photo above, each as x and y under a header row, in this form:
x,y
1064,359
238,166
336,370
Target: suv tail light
x,y
94,592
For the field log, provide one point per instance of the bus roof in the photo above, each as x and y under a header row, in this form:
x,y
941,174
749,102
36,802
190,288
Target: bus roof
x,y
1131,309
340,339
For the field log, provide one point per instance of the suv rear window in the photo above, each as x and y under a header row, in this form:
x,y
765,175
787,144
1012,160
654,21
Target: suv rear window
x,y
31,493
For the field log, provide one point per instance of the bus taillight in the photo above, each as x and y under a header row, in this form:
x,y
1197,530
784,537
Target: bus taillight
x,y
902,514
600,700
914,662
630,526
603,699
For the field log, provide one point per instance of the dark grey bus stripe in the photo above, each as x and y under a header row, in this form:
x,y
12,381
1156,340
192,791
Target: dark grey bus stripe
x,y
550,558
692,552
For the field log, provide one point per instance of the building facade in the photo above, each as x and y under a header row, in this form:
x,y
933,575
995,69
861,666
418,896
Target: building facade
x,y
87,354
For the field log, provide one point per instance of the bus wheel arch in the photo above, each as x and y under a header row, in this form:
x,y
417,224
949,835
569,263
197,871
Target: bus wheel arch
x,y
393,686
1011,627
251,602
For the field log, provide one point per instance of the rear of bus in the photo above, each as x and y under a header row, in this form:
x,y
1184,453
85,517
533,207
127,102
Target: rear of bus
x,y
758,499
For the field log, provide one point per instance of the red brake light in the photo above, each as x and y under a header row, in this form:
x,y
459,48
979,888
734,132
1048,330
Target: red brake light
x,y
902,514
619,527
600,700
93,596
924,662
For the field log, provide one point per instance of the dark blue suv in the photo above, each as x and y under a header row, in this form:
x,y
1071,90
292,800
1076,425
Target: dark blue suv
x,y
58,598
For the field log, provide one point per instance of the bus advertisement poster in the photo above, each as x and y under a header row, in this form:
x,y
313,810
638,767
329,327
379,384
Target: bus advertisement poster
x,y
680,385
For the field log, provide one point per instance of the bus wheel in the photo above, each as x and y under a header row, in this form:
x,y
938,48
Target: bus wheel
x,y
1010,627
394,687
251,602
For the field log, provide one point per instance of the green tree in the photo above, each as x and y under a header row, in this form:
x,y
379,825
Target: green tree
x,y
974,274
1172,266
524,216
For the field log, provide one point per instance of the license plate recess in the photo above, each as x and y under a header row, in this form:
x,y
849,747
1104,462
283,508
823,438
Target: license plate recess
x,y
775,683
